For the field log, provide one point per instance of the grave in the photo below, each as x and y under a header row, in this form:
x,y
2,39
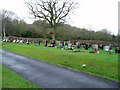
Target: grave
x,y
94,47
18,41
27,42
21,41
14,41
11,40
4,40
37,42
106,48
77,51
52,43
110,46
77,44
70,46
101,46
7,40
86,46
60,45
117,50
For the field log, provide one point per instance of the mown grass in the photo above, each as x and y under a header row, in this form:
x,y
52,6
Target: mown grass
x,y
12,80
0,76
102,64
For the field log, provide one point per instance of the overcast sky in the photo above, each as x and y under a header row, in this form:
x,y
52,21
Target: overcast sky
x,y
91,14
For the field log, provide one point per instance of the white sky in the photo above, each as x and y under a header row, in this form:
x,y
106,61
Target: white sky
x,y
91,14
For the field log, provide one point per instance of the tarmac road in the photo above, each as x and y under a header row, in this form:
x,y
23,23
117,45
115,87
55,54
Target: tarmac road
x,y
47,75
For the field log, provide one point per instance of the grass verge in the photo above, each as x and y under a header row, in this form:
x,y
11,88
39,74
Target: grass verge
x,y
12,80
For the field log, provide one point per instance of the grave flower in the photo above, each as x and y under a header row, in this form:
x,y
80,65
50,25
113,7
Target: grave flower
x,y
84,65
109,52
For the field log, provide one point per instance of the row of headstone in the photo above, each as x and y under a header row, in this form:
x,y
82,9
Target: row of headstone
x,y
95,47
5,40
67,44
18,41
70,45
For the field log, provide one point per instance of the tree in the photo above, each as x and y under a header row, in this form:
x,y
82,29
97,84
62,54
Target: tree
x,y
53,11
6,16
105,31
0,27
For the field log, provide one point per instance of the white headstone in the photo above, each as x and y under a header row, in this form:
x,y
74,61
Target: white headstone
x,y
17,41
21,41
14,41
70,45
7,40
106,48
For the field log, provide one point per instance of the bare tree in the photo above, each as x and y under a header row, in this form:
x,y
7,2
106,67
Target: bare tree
x,y
5,17
53,11
1,27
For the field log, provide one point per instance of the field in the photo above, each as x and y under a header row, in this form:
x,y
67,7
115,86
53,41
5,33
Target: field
x,y
101,64
11,80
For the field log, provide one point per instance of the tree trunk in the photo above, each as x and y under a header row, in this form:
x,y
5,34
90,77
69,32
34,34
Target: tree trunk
x,y
4,34
53,36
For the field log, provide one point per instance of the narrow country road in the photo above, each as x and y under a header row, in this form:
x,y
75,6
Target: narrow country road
x,y
47,75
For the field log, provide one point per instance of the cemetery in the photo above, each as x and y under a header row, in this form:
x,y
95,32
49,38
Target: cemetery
x,y
74,45
100,58
60,33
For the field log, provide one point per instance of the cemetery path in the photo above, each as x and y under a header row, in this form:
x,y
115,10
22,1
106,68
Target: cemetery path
x,y
47,75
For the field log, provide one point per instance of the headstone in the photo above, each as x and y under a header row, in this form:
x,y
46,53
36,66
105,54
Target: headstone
x,y
38,42
90,45
86,46
70,46
18,41
78,44
21,41
117,50
94,47
7,40
66,43
57,43
110,46
106,48
14,41
60,45
27,42
101,46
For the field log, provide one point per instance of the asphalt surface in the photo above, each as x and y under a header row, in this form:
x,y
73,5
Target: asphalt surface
x,y
47,75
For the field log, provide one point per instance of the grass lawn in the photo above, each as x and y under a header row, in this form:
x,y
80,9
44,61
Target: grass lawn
x,y
12,80
0,76
102,64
